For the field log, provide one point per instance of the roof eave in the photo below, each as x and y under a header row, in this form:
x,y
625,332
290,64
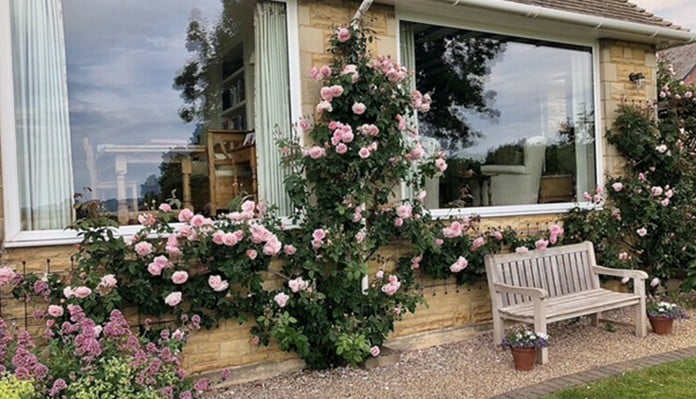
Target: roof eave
x,y
662,37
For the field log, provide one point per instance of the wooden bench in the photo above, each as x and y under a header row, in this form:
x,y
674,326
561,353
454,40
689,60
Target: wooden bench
x,y
559,283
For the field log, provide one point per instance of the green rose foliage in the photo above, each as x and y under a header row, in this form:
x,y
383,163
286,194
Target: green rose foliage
x,y
646,216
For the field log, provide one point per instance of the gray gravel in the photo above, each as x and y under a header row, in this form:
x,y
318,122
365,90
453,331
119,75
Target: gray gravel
x,y
474,368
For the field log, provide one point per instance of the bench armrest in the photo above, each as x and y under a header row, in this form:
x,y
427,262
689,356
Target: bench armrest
x,y
528,291
636,274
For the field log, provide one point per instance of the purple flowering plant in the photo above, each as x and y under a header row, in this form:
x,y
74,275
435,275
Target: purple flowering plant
x,y
667,310
525,338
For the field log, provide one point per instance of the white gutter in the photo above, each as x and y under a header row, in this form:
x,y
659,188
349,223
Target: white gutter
x,y
591,21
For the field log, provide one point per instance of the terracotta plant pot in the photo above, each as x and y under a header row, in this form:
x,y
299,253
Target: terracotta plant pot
x,y
661,325
524,358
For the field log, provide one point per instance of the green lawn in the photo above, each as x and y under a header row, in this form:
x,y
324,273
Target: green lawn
x,y
668,381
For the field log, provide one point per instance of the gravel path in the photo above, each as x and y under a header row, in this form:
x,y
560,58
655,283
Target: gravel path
x,y
473,368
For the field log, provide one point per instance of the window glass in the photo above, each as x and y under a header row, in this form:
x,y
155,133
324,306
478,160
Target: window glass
x,y
115,101
514,116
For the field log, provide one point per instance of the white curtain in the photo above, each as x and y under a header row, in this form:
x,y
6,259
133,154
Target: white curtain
x,y
582,107
44,160
272,100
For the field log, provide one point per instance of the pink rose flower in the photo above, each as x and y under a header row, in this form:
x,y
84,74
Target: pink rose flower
x,y
623,256
198,220
404,211
364,153
185,215
440,164
541,244
143,248
343,35
272,247
68,292
173,299
164,207
459,265
108,281
55,310
179,277
281,299
146,219
6,275
379,274
654,282
618,186
82,292
358,108
478,243
497,235
316,152
289,250
642,232
439,242
326,93
374,351
298,284
324,106
341,148
251,254
154,269
398,222
336,90
217,283
319,234
218,237
325,71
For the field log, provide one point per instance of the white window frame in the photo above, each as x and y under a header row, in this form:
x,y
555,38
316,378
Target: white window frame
x,y
456,17
13,235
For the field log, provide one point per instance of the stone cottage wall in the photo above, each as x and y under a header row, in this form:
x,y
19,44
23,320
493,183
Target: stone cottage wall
x,y
448,306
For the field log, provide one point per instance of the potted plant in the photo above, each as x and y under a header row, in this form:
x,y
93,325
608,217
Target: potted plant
x,y
662,314
524,344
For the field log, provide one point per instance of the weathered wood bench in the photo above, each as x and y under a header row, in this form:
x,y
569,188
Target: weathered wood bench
x,y
558,283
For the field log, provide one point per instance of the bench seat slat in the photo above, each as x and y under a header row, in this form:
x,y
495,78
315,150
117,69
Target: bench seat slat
x,y
573,305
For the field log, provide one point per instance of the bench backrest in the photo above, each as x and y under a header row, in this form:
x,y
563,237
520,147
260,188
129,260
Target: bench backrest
x,y
559,270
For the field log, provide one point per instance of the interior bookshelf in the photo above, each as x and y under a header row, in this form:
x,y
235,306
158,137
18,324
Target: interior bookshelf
x,y
233,95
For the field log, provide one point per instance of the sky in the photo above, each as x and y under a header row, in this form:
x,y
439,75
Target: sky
x,y
681,12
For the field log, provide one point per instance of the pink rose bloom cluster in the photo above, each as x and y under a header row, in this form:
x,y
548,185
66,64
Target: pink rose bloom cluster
x,y
555,231
441,164
455,229
459,265
217,283
314,152
281,299
418,152
357,213
261,235
107,283
392,71
6,275
623,256
328,93
298,284
351,69
343,35
497,235
420,101
365,152
321,73
229,239
415,262
158,264
147,219
78,292
478,243
318,237
369,129
392,285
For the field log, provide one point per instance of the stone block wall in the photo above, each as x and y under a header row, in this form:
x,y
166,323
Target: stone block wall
x,y
617,60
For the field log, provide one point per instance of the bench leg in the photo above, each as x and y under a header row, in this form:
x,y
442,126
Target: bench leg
x,y
594,319
543,353
639,318
498,328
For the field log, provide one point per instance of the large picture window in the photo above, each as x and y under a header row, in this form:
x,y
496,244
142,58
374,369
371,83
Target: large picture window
x,y
514,116
116,100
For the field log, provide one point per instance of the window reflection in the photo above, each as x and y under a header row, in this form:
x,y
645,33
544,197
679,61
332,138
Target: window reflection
x,y
514,116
